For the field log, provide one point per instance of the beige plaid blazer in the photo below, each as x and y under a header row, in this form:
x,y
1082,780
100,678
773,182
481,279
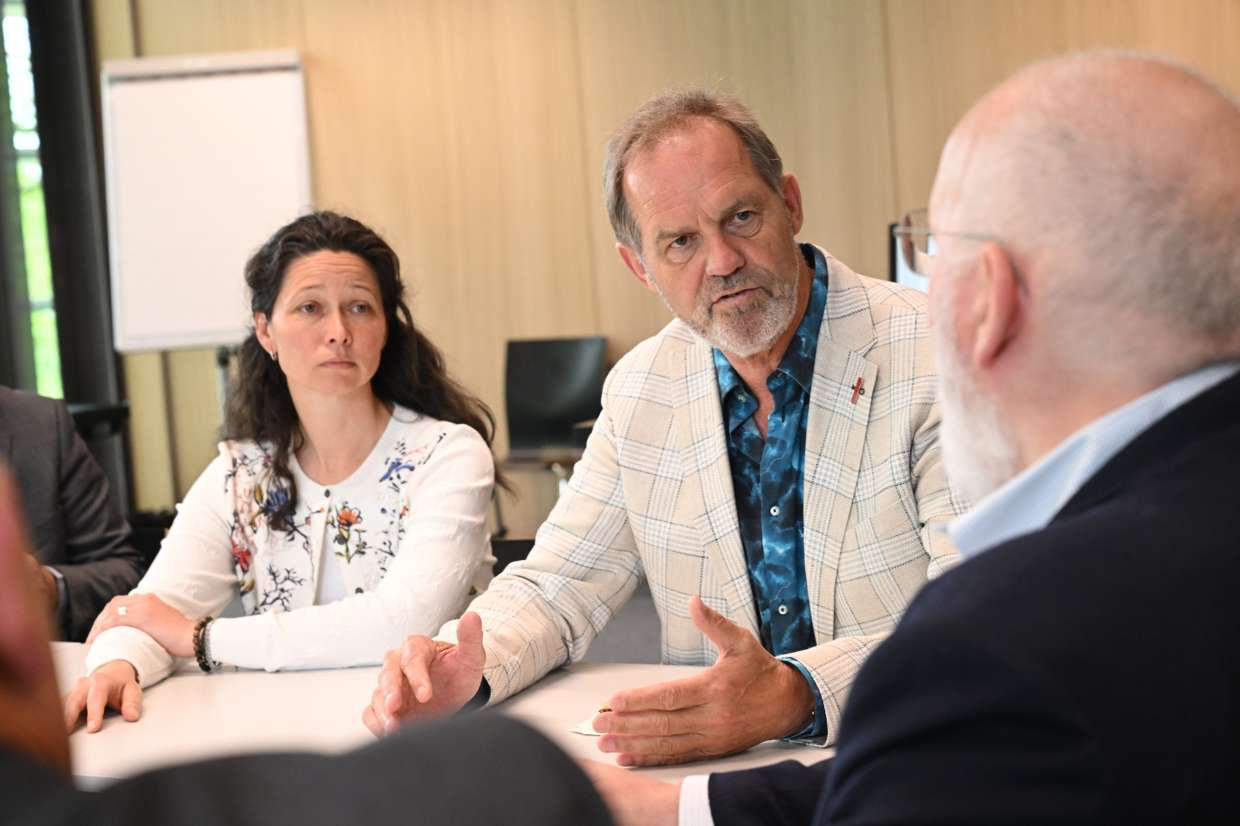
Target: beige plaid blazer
x,y
652,496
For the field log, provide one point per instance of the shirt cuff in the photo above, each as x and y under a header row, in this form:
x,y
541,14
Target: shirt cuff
x,y
62,601
694,807
479,700
240,642
817,727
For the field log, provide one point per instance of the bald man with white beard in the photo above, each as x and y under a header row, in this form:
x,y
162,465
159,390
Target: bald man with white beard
x,y
1083,249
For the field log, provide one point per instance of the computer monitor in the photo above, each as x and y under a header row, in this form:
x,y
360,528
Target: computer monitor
x,y
899,271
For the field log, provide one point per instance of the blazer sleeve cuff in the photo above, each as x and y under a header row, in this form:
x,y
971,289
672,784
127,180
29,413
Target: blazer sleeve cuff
x,y
815,733
62,604
479,700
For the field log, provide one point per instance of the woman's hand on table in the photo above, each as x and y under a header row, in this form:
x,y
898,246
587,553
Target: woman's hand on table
x,y
113,684
147,612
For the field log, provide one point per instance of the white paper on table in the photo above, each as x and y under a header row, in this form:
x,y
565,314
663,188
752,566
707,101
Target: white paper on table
x,y
586,727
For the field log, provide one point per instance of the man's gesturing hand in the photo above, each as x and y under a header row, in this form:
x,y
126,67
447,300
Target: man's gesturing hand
x,y
746,697
425,679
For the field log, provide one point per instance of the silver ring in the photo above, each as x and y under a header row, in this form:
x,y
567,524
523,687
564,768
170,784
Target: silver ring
x,y
122,611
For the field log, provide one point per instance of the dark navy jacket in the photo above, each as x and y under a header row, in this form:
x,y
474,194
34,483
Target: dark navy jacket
x,y
1088,672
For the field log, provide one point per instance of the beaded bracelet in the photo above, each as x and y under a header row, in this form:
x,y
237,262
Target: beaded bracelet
x,y
200,644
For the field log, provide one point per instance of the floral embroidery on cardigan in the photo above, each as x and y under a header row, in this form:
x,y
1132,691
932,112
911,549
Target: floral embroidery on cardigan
x,y
351,539
281,592
269,578
404,459
387,549
397,468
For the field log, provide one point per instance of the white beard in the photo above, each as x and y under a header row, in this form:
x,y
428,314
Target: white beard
x,y
979,451
749,332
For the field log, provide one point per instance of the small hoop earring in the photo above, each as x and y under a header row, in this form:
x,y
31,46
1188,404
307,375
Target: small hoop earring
x,y
273,356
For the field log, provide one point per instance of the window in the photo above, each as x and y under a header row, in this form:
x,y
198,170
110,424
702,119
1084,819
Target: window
x,y
33,266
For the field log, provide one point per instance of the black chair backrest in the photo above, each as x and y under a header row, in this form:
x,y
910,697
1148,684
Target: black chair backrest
x,y
509,550
149,529
551,385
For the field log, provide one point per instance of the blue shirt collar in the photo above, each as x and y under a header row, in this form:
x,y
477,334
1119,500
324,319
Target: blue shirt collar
x,y
1030,500
798,360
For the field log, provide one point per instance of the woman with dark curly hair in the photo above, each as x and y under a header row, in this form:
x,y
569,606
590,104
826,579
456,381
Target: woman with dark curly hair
x,y
348,505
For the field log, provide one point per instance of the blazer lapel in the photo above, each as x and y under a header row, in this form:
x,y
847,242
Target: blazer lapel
x,y
835,435
704,452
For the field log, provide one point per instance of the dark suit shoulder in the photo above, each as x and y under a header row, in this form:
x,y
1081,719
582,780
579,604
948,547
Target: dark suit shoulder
x,y
74,523
1079,673
25,403
946,725
35,435
33,418
34,793
1167,546
1109,625
478,769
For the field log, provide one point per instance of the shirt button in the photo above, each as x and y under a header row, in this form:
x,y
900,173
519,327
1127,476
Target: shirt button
x,y
774,510
358,591
783,610
327,492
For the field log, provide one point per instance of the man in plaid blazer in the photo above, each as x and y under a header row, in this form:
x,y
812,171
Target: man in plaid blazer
x,y
1082,246
773,452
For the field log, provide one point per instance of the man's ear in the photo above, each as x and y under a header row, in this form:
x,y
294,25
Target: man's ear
x,y
997,305
633,260
791,196
262,331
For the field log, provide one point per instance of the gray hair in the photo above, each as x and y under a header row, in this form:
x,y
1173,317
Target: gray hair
x,y
663,115
1132,203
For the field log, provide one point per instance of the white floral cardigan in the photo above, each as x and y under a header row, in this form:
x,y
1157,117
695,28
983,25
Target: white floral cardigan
x,y
408,529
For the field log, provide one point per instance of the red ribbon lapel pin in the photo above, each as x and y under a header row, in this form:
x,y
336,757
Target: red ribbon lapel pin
x,y
858,390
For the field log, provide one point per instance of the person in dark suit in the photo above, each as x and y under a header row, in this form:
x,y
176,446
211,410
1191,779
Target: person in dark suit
x,y
1080,665
481,769
82,544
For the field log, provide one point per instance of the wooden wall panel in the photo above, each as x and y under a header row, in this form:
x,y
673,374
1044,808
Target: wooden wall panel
x,y
471,134
944,54
165,28
444,125
143,375
447,131
112,29
192,396
455,131
814,74
841,147
630,52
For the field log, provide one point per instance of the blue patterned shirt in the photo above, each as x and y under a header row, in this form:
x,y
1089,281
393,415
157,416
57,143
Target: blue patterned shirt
x,y
768,483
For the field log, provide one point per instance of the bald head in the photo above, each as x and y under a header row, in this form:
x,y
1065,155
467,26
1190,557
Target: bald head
x,y
1114,182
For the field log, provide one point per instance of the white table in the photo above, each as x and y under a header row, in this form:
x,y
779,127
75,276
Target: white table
x,y
192,716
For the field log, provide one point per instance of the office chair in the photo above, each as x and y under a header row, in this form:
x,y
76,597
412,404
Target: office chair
x,y
552,394
550,387
507,551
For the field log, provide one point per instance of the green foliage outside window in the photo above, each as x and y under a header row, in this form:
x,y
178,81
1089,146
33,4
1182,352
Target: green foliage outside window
x,y
38,267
